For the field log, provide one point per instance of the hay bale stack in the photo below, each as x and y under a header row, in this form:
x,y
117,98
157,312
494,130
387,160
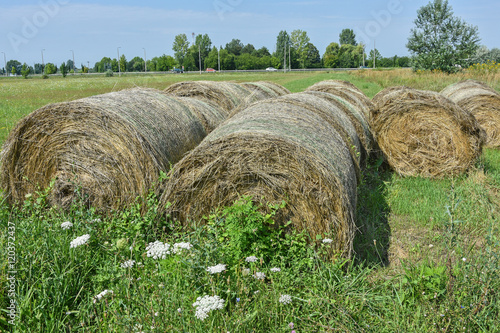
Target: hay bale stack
x,y
347,91
274,150
484,104
357,119
422,133
109,147
225,95
271,89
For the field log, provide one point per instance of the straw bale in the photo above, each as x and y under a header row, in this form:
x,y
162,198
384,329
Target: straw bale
x,y
422,133
110,148
209,115
224,94
347,91
357,119
271,89
484,104
274,150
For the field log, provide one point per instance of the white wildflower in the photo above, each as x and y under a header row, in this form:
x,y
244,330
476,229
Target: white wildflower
x,y
216,269
178,247
206,304
66,225
464,259
285,299
327,240
245,271
79,241
275,269
127,264
102,294
259,275
97,220
158,250
251,259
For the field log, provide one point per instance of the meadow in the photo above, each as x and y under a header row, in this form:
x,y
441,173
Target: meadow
x,y
427,252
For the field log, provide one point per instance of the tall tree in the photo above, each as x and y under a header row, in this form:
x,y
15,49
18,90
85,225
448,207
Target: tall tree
x,y
234,47
249,48
25,71
180,47
313,58
203,46
440,40
123,63
282,42
63,69
347,36
300,40
331,55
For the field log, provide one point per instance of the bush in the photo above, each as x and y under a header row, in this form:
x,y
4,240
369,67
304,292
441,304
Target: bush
x,y
109,73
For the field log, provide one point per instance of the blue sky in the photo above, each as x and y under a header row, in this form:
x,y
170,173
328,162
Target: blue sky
x,y
94,29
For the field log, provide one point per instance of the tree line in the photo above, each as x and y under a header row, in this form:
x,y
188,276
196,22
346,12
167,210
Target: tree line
x,y
438,41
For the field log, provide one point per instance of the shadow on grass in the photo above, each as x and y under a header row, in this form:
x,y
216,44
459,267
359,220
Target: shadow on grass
x,y
372,240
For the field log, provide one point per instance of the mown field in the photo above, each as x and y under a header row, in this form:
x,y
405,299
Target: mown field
x,y
427,251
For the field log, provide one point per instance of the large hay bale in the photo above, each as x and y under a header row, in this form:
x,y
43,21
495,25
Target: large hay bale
x,y
271,89
226,95
484,104
109,147
209,115
357,119
422,133
274,150
347,91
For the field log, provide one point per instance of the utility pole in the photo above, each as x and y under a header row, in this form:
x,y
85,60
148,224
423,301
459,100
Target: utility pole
x,y
218,59
118,51
199,55
73,61
289,58
5,62
145,66
374,53
43,65
284,59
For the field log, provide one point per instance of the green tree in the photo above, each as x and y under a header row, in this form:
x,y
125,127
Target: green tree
x,y
123,63
374,56
300,41
25,71
347,36
50,68
70,65
331,55
313,59
249,48
440,40
136,65
234,47
63,69
180,48
282,42
14,64
203,46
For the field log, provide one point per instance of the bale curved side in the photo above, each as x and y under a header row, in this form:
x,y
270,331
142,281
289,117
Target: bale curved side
x,y
226,95
271,151
422,133
484,104
347,91
209,115
108,149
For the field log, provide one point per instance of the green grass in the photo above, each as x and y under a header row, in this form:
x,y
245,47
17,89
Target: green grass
x,y
427,251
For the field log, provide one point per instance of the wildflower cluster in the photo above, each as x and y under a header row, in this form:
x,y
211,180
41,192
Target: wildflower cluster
x,y
66,225
79,241
251,259
158,250
216,269
285,299
206,304
129,264
489,67
259,275
178,247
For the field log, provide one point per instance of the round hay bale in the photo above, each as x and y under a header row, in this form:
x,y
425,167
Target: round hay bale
x,y
108,148
271,89
422,133
272,151
484,104
209,115
347,91
357,119
226,95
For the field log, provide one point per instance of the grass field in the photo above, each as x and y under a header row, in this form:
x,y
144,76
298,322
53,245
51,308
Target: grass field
x,y
427,251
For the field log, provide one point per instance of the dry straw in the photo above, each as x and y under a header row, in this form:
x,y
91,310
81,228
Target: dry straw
x,y
422,133
225,95
484,104
109,148
347,91
274,150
